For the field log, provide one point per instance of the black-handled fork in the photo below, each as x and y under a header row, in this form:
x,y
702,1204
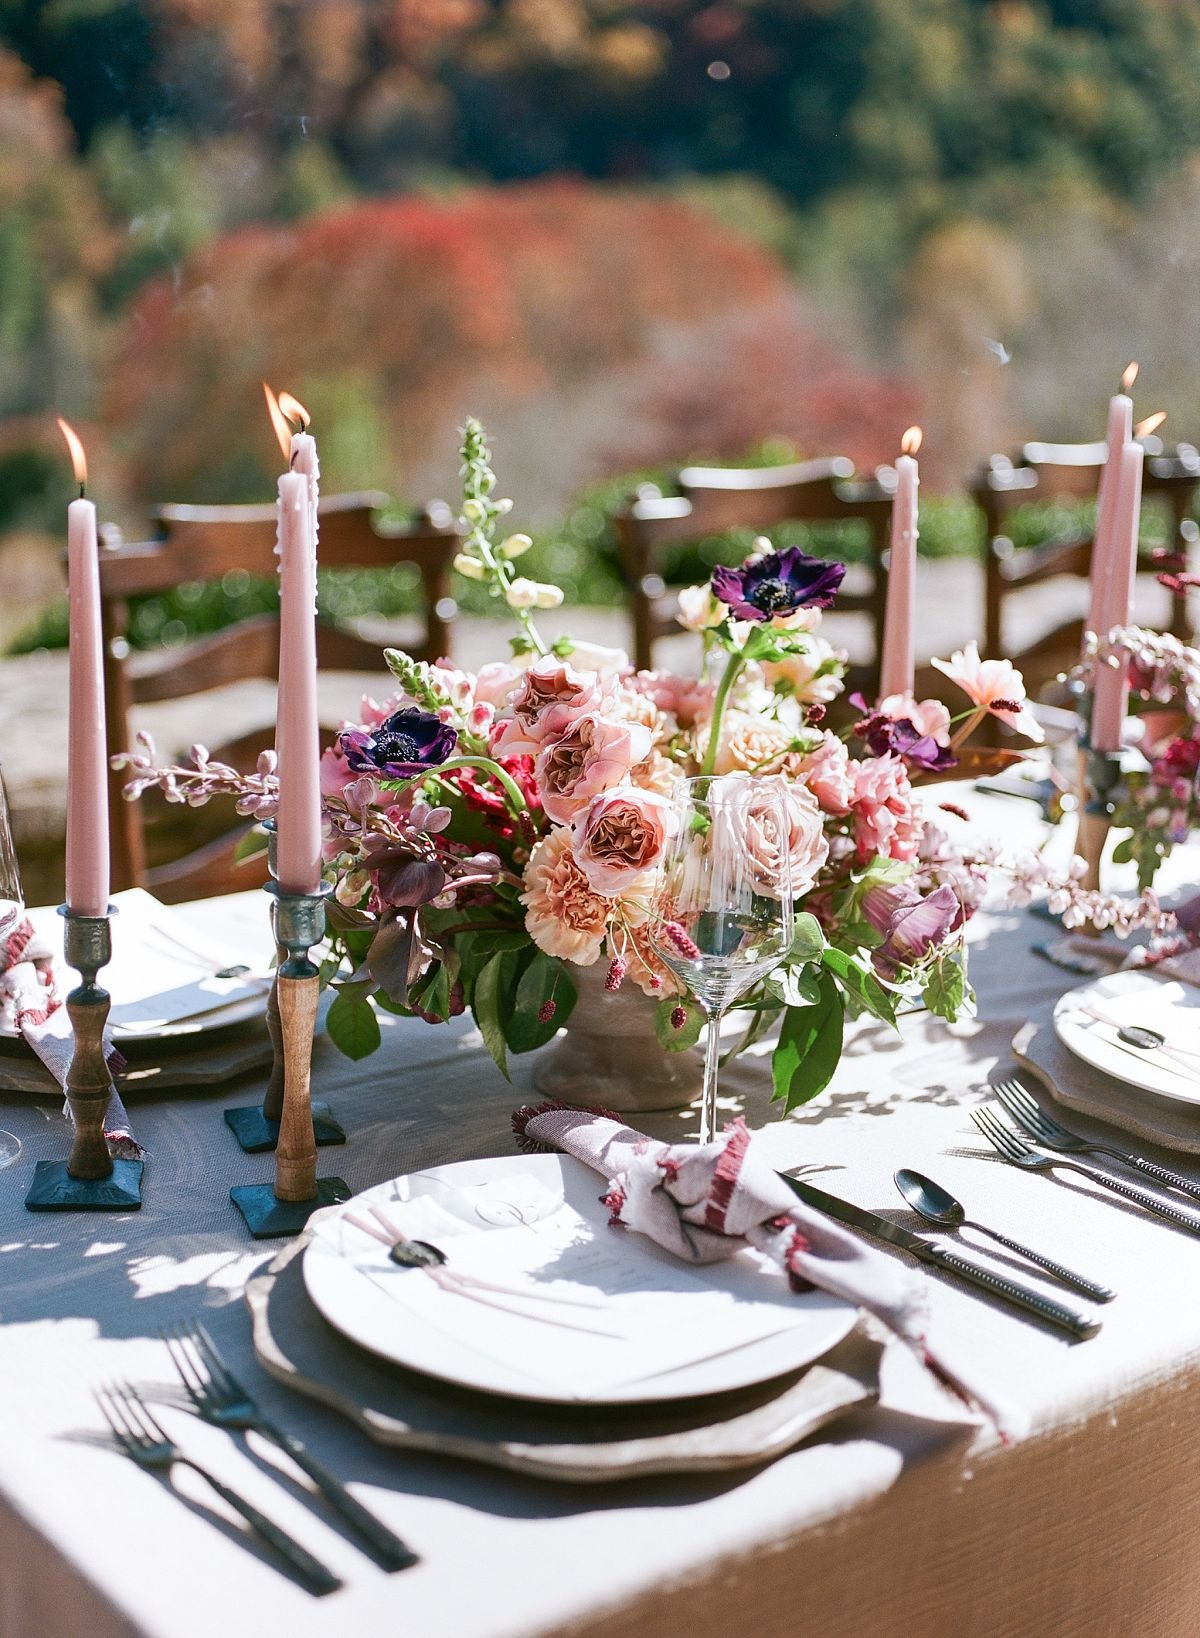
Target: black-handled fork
x,y
143,1439
1051,1135
1017,1152
219,1397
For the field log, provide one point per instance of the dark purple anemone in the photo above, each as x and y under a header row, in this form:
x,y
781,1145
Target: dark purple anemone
x,y
408,743
779,583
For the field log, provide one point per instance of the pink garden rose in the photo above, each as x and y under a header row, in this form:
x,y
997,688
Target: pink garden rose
x,y
565,916
620,836
806,845
545,703
885,822
592,756
496,681
826,771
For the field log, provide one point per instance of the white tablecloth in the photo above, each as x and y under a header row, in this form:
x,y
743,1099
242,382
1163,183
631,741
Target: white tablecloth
x,y
1085,1525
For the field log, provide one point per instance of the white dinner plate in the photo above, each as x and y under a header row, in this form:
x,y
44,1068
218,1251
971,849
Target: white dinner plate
x,y
556,1200
1135,998
163,976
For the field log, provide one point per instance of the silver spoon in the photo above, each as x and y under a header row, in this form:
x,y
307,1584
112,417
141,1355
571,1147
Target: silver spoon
x,y
937,1205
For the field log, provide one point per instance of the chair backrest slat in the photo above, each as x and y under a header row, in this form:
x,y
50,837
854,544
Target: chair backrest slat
x,y
204,543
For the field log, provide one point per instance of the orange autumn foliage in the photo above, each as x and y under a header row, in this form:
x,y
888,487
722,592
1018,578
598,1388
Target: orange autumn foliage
x,y
592,328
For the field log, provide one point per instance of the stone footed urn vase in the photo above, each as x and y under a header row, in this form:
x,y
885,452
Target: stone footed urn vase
x,y
610,1055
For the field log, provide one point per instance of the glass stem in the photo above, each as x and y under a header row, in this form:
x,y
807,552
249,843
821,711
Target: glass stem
x,y
712,1065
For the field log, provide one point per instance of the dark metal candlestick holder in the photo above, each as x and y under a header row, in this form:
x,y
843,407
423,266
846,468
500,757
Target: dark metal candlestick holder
x,y
274,1210
1102,773
257,1127
90,1180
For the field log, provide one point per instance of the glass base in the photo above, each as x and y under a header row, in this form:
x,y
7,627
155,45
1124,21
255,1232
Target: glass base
x,y
10,1149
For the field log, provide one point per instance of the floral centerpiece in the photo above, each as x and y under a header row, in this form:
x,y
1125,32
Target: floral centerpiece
x,y
490,835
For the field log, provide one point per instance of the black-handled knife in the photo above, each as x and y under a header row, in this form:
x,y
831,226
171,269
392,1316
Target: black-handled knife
x,y
1077,1322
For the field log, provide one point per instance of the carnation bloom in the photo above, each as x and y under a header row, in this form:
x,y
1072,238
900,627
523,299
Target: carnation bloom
x,y
778,584
564,915
407,743
592,756
546,701
620,836
992,685
827,773
885,822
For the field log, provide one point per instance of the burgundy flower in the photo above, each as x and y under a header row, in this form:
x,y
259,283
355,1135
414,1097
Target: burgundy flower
x,y
901,737
777,584
408,743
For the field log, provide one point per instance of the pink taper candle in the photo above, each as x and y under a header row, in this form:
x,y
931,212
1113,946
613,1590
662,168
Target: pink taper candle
x,y
298,822
1104,543
1110,694
899,621
87,758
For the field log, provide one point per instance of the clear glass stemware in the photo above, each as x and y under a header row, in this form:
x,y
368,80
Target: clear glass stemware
x,y
723,904
12,908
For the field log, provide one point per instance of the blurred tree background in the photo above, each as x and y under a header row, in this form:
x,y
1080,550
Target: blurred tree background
x,y
627,232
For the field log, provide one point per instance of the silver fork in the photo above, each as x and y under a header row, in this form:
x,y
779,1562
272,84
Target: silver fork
x,y
219,1397
142,1438
1047,1131
1014,1149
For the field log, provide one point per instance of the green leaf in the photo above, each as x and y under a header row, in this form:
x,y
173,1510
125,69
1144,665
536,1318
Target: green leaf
x,y
808,939
250,846
562,647
794,986
486,1005
861,983
809,1047
352,1026
677,1040
542,980
520,645
945,990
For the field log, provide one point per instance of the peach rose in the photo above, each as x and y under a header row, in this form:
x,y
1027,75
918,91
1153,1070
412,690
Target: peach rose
x,y
592,756
805,844
750,744
564,915
545,703
620,837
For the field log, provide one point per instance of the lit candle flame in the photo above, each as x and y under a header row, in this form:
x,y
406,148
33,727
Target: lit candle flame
x,y
279,422
1129,377
78,457
1149,425
294,410
911,441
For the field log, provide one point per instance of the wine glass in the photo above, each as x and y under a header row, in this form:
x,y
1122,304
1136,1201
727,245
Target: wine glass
x,y
12,909
723,903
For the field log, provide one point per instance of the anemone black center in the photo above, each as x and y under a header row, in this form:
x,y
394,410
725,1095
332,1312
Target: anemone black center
x,y
770,595
391,746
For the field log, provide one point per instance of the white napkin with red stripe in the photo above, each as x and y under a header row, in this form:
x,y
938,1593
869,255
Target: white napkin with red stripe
x,y
30,1003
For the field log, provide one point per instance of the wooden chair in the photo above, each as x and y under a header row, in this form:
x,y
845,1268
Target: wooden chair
x,y
203,543
1048,472
715,499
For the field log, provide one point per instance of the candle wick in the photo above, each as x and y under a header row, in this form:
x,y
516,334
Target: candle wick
x,y
82,490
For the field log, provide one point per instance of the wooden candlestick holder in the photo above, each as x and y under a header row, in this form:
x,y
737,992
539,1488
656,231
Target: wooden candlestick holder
x,y
282,1208
90,1180
257,1127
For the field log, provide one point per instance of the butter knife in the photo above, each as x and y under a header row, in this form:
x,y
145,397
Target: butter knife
x,y
1077,1322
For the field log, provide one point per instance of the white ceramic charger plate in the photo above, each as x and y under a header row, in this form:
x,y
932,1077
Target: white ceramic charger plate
x,y
1134,998
361,1311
